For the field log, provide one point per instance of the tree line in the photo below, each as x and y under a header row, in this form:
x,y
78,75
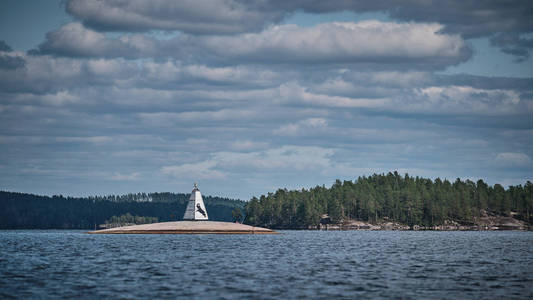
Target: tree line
x,y
27,211
392,197
130,219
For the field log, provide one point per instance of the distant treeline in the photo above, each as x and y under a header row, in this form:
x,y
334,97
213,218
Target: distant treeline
x,y
27,211
403,199
130,219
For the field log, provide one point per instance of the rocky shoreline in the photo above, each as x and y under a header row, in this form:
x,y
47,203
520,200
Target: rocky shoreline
x,y
367,226
486,221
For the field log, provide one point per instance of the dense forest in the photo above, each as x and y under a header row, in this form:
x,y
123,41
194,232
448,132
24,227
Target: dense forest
x,y
390,197
377,198
24,211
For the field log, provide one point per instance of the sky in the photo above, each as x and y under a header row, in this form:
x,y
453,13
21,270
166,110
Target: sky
x,y
245,97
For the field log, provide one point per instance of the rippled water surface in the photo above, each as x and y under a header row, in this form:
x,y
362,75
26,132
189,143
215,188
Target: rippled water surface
x,y
294,264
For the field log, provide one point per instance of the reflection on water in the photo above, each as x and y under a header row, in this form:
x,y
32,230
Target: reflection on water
x,y
295,264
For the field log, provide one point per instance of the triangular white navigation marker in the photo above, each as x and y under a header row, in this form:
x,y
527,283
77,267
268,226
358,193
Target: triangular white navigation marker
x,y
195,208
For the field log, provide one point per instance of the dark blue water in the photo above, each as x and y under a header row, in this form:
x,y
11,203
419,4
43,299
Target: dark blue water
x,y
295,264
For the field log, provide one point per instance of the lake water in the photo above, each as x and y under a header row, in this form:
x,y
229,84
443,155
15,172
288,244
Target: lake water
x,y
294,264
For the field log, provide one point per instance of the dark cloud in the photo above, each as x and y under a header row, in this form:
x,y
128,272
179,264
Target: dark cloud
x,y
45,74
11,62
190,16
74,73
74,40
4,47
469,18
511,43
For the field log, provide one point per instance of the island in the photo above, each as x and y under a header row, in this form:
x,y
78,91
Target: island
x,y
187,227
195,221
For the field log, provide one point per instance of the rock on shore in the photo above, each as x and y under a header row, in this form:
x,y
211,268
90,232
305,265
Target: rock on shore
x,y
359,225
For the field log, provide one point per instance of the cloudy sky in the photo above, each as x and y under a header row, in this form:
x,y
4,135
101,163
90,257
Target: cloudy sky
x,y
244,97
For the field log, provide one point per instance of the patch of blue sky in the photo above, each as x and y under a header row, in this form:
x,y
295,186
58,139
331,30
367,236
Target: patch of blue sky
x,y
163,35
305,19
490,61
33,18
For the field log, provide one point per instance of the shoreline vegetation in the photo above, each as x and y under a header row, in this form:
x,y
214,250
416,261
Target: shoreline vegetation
x,y
378,202
395,202
27,211
127,220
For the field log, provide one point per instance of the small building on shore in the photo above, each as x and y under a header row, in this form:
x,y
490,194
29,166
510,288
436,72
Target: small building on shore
x,y
325,219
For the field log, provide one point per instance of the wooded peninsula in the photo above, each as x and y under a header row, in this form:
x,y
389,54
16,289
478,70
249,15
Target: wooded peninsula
x,y
380,198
